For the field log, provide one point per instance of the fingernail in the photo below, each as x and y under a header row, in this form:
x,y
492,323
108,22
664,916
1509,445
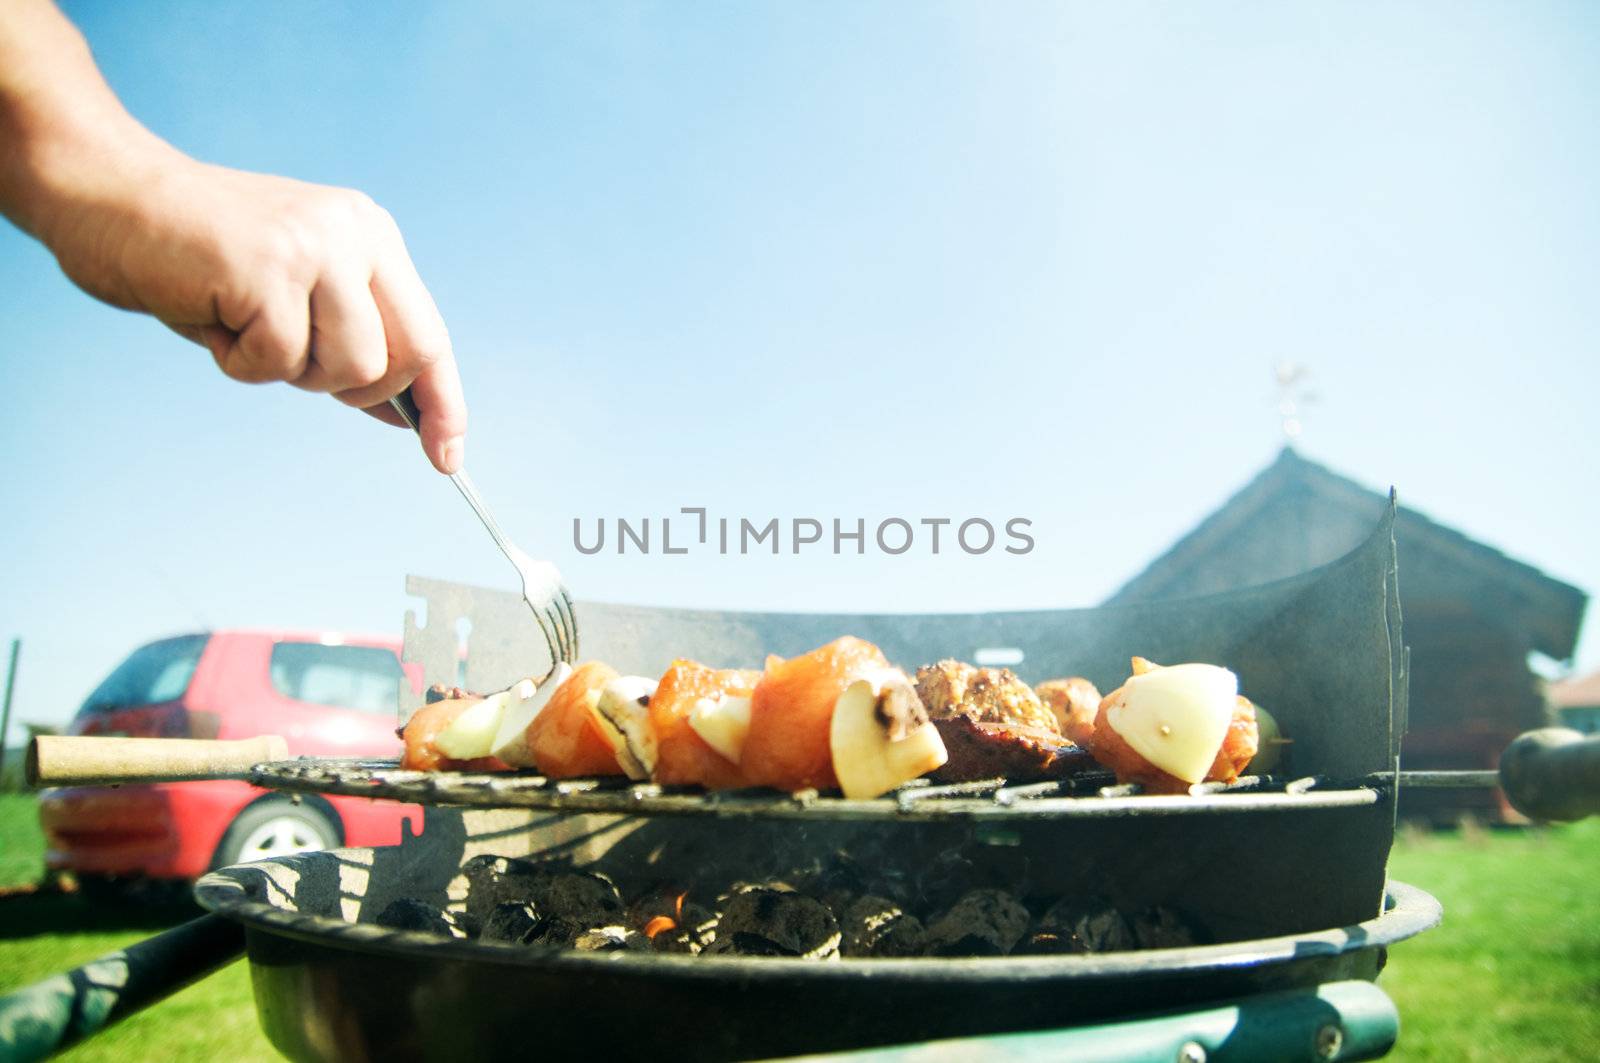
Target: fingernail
x,y
450,455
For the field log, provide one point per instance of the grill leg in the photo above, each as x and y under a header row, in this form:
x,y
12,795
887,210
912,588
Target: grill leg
x,y
44,1018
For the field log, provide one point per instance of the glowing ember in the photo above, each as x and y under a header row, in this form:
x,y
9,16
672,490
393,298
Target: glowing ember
x,y
666,922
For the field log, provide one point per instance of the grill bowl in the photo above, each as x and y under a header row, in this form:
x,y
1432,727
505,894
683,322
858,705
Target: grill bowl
x,y
328,989
1292,885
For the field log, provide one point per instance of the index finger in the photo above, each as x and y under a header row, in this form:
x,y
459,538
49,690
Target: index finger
x,y
443,409
417,336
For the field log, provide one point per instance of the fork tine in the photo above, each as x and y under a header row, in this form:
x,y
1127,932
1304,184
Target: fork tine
x,y
569,628
549,640
548,614
570,615
554,616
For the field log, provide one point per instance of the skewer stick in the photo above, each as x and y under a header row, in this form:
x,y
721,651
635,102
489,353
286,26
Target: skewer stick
x,y
57,760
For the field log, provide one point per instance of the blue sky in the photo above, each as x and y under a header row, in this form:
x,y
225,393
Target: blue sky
x,y
833,260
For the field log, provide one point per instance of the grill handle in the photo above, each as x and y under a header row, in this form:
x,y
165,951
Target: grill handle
x,y
1553,774
62,760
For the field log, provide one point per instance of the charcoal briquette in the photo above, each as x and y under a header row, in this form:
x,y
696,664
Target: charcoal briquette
x,y
1162,928
791,920
985,922
513,922
407,913
1081,925
877,926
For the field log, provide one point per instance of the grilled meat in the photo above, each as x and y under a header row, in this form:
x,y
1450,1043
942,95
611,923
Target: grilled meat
x,y
1074,702
839,716
994,725
988,695
980,750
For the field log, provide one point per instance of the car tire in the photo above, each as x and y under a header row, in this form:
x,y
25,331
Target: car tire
x,y
113,891
108,890
275,827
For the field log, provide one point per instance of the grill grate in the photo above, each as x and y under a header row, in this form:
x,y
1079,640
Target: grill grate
x,y
1093,795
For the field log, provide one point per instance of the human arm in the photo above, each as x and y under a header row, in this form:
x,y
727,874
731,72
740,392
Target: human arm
x,y
279,279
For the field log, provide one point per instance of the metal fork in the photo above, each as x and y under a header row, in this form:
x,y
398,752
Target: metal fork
x,y
542,588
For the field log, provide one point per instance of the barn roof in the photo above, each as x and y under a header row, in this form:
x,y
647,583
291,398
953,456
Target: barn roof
x,y
1298,499
1579,691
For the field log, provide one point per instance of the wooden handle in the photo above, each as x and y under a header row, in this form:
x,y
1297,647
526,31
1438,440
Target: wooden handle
x,y
55,760
1553,773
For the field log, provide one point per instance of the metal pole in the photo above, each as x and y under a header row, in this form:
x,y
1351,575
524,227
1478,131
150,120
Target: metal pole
x,y
5,712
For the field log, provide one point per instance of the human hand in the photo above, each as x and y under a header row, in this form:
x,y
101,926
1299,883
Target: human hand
x,y
280,280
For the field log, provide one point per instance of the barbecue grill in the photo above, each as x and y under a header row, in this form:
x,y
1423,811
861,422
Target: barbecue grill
x,y
1286,873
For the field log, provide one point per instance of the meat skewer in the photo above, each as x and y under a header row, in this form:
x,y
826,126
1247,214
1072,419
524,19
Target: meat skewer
x,y
840,717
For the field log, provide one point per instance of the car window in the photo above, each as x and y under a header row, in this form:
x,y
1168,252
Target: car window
x,y
347,677
151,674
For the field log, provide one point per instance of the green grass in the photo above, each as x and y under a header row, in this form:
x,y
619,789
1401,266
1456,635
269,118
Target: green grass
x,y
21,843
1513,974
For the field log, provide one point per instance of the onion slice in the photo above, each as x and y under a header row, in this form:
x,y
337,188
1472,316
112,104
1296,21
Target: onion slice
x,y
1176,717
880,736
511,737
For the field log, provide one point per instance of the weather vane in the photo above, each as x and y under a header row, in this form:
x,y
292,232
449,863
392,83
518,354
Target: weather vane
x,y
1294,392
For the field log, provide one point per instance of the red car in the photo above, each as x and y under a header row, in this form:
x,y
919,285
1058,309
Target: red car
x,y
326,694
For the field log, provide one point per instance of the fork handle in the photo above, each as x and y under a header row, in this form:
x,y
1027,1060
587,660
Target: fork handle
x,y
406,407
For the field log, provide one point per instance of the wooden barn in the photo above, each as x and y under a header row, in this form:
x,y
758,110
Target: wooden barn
x,y
1472,615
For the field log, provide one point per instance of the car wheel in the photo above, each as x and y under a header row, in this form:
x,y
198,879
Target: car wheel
x,y
275,827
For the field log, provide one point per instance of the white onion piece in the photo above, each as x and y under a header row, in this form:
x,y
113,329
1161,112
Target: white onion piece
x,y
1177,717
724,724
472,733
624,714
866,760
511,739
